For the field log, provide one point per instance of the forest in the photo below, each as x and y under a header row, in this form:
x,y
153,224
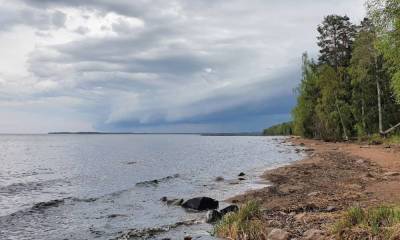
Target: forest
x,y
352,90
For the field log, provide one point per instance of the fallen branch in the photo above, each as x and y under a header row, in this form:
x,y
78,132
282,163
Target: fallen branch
x,y
390,129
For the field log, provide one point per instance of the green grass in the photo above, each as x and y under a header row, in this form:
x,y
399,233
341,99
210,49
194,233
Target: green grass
x,y
244,224
394,139
382,222
376,139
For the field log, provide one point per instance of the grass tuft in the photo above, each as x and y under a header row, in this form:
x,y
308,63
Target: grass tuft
x,y
382,222
242,225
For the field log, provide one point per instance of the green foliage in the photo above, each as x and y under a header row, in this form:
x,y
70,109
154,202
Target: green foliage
x,y
336,34
386,16
394,139
244,224
382,221
338,96
304,118
283,129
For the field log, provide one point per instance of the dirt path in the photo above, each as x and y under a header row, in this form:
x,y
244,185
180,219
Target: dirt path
x,y
310,194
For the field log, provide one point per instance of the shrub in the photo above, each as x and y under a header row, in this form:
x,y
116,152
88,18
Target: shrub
x,y
382,222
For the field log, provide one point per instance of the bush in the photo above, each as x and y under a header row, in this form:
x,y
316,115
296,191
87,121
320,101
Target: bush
x,y
382,222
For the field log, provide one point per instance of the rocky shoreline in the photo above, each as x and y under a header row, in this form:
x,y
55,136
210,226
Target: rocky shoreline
x,y
308,196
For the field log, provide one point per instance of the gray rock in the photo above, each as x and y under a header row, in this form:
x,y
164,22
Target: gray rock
x,y
228,209
331,209
164,199
219,179
213,216
201,203
360,161
278,234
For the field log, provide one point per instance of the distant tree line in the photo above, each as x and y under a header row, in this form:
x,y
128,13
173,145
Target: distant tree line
x,y
282,129
353,88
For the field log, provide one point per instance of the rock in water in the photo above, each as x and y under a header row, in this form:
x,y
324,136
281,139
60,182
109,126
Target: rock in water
x,y
201,203
228,209
163,199
219,179
213,216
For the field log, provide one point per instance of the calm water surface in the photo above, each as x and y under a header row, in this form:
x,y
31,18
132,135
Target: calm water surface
x,y
94,186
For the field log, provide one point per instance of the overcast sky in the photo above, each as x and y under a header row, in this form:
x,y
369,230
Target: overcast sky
x,y
155,66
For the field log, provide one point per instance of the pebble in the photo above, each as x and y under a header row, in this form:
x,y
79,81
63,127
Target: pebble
x,y
313,234
278,234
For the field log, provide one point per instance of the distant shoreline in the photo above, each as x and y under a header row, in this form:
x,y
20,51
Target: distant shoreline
x,y
144,133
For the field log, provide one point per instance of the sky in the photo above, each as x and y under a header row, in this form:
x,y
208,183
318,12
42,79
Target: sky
x,y
155,65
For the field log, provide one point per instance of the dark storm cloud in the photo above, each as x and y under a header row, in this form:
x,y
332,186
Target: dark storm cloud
x,y
142,64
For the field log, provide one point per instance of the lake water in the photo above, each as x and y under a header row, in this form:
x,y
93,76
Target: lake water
x,y
94,186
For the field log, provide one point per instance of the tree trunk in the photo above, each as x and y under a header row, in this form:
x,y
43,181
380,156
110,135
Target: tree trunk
x,y
346,138
378,90
363,115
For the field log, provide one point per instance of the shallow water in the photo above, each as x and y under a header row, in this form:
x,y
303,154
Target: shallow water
x,y
95,186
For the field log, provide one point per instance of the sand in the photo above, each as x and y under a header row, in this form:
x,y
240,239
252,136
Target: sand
x,y
314,192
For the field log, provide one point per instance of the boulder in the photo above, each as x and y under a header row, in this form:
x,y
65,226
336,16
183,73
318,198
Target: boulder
x,y
228,209
201,204
212,216
219,179
278,234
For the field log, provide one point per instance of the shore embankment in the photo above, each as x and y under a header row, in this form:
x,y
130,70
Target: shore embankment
x,y
305,198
